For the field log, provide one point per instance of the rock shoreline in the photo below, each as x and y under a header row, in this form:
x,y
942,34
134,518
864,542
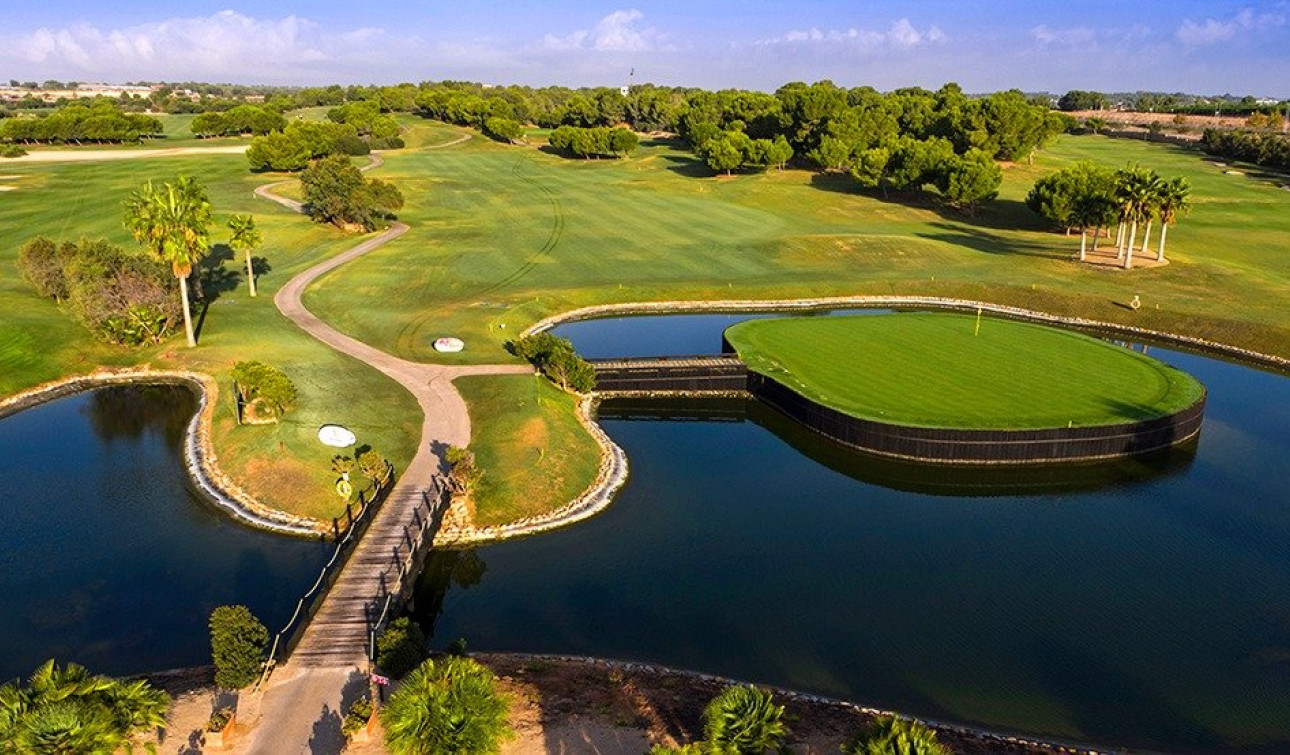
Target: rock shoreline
x,y
200,458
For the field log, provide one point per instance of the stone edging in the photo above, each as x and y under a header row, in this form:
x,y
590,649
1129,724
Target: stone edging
x,y
930,302
595,499
983,735
199,450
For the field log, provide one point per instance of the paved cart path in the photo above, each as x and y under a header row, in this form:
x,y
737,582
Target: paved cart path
x,y
304,701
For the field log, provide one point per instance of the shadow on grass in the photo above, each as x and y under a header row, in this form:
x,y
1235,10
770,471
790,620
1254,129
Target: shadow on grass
x,y
982,240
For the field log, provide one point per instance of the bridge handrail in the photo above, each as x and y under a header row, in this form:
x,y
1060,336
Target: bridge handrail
x,y
326,576
443,498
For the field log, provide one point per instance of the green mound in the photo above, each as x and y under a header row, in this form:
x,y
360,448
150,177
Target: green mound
x,y
936,370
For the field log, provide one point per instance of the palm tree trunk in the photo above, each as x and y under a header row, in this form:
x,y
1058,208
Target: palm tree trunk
x,y
1133,236
1160,250
250,272
1119,240
1083,243
1146,238
1097,234
188,316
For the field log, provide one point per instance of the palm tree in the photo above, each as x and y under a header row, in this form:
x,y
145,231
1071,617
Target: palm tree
x,y
744,720
1173,200
896,736
173,223
1132,194
447,705
1153,187
246,238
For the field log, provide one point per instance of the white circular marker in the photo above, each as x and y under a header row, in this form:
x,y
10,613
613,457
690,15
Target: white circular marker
x,y
336,436
449,345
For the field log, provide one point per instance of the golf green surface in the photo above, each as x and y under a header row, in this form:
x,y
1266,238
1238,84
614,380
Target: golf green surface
x,y
938,370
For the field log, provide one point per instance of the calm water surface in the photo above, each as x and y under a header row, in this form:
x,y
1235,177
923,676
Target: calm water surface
x,y
1145,603
106,558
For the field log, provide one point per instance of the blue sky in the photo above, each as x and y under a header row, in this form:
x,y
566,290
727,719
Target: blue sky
x,y
984,45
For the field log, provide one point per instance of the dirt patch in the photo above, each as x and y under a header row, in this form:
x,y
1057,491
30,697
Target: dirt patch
x,y
567,706
1108,257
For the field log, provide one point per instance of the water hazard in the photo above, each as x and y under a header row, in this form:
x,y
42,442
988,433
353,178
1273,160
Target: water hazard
x,y
106,557
1143,603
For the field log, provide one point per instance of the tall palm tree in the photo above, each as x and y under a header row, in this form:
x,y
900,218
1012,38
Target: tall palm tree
x,y
246,238
1174,199
1153,188
1132,193
173,223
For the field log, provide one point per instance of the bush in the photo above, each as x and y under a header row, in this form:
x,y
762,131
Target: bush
x,y
593,142
219,719
744,720
449,705
121,297
400,648
356,718
264,388
896,736
555,357
238,642
12,150
300,142
463,471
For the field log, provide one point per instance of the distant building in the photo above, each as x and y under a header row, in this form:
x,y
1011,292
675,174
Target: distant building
x,y
624,90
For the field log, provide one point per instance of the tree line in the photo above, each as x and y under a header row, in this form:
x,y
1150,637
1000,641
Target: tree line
x,y
1264,148
100,122
1087,196
237,121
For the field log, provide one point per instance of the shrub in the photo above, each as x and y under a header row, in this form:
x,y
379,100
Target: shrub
x,y
360,711
121,297
219,719
374,466
744,720
400,648
238,641
555,357
448,705
896,736
265,388
12,150
463,471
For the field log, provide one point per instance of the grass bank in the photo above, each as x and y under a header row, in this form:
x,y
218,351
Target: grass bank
x,y
534,453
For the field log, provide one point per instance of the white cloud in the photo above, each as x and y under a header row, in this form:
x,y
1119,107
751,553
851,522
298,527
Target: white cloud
x,y
223,46
1074,36
902,35
1212,31
617,32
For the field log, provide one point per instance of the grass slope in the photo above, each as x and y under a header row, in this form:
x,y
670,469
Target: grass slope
x,y
282,464
503,235
935,370
534,453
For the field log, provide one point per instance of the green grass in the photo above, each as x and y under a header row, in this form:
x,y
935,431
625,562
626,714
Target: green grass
x,y
936,370
503,235
534,453
282,464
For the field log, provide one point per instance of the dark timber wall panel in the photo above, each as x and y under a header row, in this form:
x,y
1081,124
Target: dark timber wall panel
x,y
982,446
716,375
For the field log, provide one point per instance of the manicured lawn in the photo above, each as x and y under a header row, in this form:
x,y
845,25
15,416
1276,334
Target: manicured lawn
x,y
503,235
283,464
534,453
936,369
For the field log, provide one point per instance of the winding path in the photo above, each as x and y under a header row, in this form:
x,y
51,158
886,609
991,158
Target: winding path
x,y
303,702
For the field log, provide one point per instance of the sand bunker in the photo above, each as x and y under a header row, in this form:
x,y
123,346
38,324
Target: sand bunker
x,y
91,155
7,188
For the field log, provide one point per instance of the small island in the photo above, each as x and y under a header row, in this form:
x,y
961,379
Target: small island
x,y
956,388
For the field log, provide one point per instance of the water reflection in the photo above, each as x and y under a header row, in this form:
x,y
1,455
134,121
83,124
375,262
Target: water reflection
x,y
126,412
932,479
443,570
